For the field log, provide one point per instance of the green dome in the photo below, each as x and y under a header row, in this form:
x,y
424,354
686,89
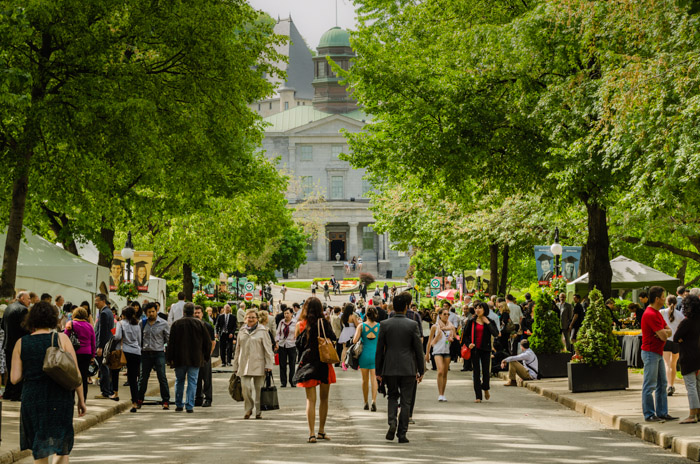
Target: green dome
x,y
335,37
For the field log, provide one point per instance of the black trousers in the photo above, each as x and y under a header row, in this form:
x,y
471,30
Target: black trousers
x,y
13,391
481,364
400,390
83,366
204,389
225,348
133,367
288,357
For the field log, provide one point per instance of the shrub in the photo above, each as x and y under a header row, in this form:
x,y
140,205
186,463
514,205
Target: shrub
x,y
340,279
366,278
596,344
546,329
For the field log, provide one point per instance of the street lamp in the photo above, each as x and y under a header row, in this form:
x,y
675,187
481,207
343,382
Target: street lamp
x,y
479,272
450,279
128,254
556,250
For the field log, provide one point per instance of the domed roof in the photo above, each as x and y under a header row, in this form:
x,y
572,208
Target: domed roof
x,y
335,37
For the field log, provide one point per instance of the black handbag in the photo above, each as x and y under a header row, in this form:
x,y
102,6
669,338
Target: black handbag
x,y
234,388
268,394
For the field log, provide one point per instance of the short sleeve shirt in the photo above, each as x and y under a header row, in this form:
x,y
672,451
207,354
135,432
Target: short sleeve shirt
x,y
652,322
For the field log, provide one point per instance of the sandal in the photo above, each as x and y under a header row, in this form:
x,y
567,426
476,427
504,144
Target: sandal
x,y
689,420
322,436
312,439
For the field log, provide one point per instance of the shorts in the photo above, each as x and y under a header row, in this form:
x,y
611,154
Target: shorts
x,y
444,355
672,346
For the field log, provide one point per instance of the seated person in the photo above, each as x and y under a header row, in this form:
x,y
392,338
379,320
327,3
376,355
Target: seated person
x,y
524,365
498,354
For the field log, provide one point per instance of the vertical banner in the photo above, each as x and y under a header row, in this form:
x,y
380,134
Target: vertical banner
x,y
544,260
143,260
116,271
570,260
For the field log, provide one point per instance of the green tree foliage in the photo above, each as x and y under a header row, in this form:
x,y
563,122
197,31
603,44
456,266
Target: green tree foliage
x,y
546,330
291,251
596,343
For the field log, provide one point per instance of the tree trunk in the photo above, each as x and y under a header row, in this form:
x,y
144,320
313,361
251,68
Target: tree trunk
x,y
502,288
681,271
493,267
20,186
108,238
597,250
187,285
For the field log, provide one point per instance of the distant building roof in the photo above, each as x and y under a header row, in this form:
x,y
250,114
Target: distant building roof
x,y
335,37
302,115
300,67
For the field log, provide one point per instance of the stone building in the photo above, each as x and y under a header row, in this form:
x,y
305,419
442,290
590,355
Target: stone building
x,y
307,142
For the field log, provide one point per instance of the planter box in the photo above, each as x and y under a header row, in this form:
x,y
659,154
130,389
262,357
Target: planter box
x,y
553,365
584,377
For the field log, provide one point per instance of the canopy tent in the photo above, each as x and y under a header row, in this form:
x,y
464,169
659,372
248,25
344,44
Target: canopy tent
x,y
43,267
628,274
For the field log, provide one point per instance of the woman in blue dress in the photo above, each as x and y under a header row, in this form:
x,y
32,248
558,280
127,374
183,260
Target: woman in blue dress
x,y
368,332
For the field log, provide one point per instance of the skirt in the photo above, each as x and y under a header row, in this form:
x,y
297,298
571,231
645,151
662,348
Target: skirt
x,y
315,383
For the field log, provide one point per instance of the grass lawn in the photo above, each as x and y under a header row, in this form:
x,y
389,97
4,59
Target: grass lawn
x,y
306,284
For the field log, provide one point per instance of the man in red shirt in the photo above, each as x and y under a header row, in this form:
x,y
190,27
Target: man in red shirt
x,y
655,331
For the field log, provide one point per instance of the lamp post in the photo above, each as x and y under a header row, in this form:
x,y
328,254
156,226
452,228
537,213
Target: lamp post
x,y
556,250
442,282
450,279
464,286
479,272
128,254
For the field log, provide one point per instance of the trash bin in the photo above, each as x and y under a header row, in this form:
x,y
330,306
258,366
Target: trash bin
x,y
389,273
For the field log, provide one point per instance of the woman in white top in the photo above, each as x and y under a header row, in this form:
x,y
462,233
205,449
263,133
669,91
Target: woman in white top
x,y
441,335
673,318
349,321
129,335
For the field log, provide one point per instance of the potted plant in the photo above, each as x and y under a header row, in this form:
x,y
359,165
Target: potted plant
x,y
596,367
545,340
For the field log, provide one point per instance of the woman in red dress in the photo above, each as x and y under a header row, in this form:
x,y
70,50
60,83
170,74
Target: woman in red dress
x,y
311,372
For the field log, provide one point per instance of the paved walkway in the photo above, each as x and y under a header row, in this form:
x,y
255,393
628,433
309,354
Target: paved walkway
x,y
516,425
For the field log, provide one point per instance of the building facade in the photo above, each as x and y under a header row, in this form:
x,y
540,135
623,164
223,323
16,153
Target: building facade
x,y
306,141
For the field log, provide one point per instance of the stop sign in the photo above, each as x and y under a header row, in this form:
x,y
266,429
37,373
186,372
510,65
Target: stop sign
x,y
248,296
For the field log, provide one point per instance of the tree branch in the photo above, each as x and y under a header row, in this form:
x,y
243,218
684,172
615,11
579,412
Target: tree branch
x,y
664,246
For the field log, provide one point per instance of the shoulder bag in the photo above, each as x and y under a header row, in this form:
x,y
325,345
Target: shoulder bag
x,y
326,350
268,394
234,388
60,366
116,358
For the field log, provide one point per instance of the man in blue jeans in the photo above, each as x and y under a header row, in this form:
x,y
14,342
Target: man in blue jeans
x,y
154,335
655,331
189,348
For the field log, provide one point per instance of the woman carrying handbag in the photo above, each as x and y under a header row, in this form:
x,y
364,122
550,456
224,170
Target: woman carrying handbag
x,y
477,336
315,339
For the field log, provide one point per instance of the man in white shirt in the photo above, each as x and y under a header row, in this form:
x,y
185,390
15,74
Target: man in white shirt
x,y
516,313
176,310
524,365
240,315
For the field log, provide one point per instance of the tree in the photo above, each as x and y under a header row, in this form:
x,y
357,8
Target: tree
x,y
596,343
103,105
546,330
291,250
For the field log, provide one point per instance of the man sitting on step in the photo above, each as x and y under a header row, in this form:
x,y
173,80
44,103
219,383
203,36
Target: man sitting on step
x,y
524,365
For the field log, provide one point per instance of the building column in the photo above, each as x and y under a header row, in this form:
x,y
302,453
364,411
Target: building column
x,y
322,244
352,239
385,241
380,246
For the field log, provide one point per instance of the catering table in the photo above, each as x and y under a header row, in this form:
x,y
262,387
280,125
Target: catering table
x,y
631,343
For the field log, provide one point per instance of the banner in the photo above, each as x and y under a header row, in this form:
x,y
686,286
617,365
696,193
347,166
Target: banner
x,y
544,260
142,262
116,271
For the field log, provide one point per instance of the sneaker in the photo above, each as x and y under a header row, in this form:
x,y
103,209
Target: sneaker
x,y
206,404
654,419
190,411
179,409
166,405
671,390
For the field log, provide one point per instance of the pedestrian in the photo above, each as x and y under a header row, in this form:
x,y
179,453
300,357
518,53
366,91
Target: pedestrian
x,y
311,371
189,348
46,412
524,365
314,286
129,334
566,314
87,351
240,315
104,333
155,333
367,332
687,335
286,341
655,332
283,291
672,317
477,336
441,335
577,319
385,291
349,322
252,360
176,310
225,331
204,394
399,365
12,324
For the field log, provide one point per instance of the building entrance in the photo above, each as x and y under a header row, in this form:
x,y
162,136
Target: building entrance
x,y
337,245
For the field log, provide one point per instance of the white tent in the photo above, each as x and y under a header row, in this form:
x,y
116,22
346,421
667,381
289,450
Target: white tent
x,y
628,274
44,267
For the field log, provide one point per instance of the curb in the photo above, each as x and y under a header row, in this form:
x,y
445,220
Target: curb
x,y
684,446
81,424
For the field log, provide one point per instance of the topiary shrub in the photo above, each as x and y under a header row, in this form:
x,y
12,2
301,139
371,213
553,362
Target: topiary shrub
x,y
546,330
596,343
366,278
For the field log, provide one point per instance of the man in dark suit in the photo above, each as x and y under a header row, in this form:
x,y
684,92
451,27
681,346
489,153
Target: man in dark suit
x,y
399,363
12,325
225,328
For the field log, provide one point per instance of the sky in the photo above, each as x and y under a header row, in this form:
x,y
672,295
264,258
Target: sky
x,y
311,17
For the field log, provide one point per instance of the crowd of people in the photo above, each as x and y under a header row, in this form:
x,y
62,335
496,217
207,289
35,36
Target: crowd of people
x,y
390,341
